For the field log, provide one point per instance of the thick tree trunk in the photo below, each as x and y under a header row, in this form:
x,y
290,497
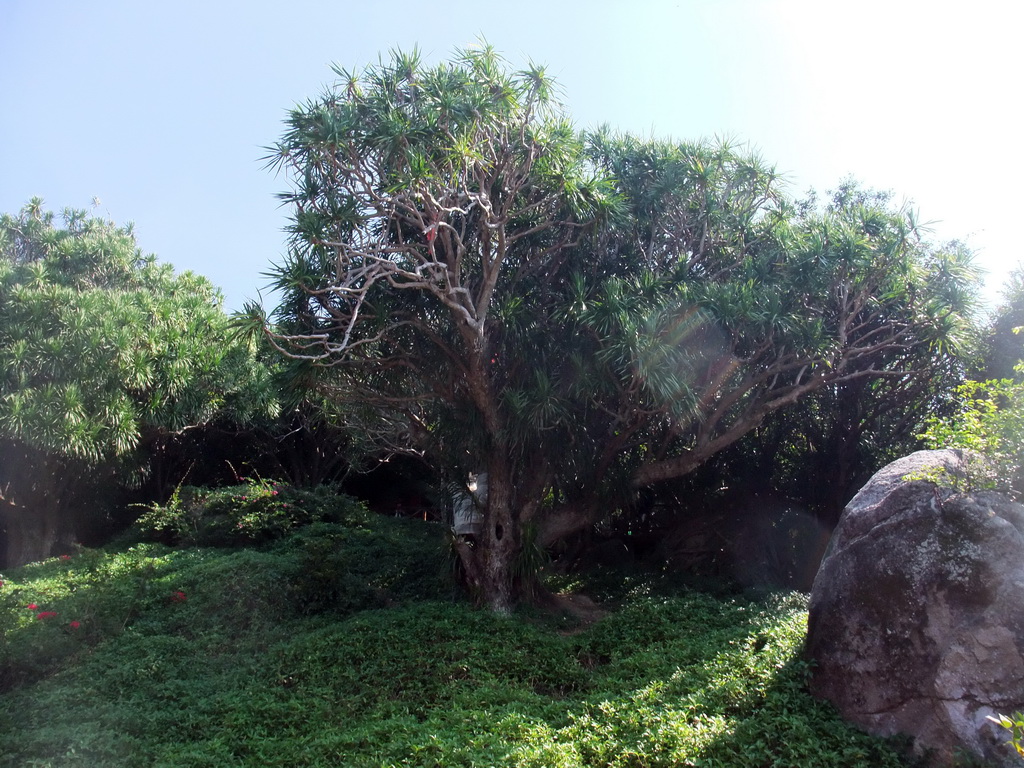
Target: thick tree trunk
x,y
500,543
495,570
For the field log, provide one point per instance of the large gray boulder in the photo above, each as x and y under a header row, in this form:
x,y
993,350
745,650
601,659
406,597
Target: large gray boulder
x,y
916,620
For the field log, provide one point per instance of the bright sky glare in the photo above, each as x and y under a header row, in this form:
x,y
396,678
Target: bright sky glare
x,y
161,110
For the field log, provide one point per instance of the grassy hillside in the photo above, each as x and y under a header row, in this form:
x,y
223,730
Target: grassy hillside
x,y
339,642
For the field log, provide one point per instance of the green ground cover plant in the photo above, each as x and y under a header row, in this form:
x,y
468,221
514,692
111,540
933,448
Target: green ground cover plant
x,y
341,643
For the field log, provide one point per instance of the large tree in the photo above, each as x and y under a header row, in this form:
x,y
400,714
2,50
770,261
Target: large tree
x,y
104,355
576,315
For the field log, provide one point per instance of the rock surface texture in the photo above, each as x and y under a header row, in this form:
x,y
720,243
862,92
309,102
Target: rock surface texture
x,y
916,620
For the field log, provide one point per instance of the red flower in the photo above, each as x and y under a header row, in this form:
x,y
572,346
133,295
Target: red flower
x,y
31,606
178,597
74,624
46,614
65,557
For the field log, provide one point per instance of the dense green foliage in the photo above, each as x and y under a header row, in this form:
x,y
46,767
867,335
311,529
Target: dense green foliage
x,y
339,644
101,344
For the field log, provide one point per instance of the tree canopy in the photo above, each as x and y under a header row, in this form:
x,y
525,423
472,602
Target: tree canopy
x,y
577,314
102,349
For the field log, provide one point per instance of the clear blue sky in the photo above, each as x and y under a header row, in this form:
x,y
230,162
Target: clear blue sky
x,y
161,109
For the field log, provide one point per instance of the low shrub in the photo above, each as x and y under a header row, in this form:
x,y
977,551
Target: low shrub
x,y
254,512
989,426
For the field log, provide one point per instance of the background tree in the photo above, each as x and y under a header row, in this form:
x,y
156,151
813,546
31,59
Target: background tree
x,y
985,414
820,454
737,303
1004,343
312,440
104,355
578,316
